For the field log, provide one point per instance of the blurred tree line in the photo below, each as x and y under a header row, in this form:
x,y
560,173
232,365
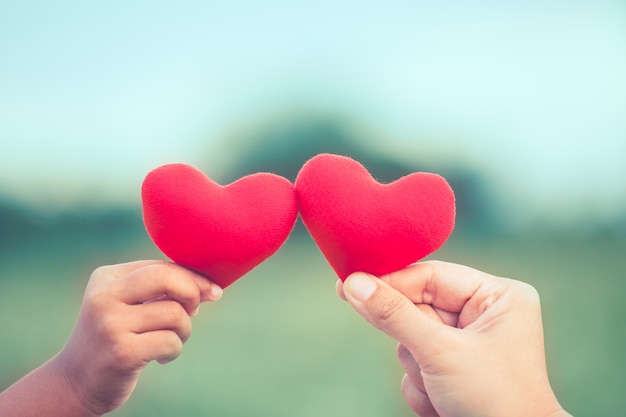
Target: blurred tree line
x,y
22,224
281,148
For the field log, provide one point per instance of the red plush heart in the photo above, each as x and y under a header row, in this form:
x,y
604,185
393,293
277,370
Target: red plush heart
x,y
362,225
220,231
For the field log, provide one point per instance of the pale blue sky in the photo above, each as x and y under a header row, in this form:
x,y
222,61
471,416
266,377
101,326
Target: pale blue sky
x,y
93,95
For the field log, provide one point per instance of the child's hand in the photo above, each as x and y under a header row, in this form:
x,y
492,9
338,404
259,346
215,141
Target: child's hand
x,y
131,314
471,343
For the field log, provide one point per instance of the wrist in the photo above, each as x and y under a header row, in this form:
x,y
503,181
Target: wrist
x,y
45,391
69,389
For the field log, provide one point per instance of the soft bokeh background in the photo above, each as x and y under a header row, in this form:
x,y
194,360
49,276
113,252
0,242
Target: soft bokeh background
x,y
520,105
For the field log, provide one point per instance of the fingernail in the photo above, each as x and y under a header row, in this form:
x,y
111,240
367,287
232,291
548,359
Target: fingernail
x,y
216,292
361,286
195,312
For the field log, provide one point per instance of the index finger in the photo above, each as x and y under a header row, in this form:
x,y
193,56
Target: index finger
x,y
153,281
443,285
120,270
209,290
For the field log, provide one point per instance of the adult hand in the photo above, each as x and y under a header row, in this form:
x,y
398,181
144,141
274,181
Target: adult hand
x,y
471,343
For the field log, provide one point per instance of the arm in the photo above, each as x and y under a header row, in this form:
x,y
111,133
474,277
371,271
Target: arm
x,y
471,343
131,314
44,391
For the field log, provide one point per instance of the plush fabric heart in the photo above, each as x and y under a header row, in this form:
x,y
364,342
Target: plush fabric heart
x,y
360,224
220,231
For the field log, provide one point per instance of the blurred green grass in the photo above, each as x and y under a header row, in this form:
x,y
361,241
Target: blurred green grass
x,y
281,343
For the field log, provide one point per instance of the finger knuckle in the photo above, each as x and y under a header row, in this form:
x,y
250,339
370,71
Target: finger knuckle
x,y
105,270
184,330
98,306
390,307
167,276
158,273
101,270
123,353
108,328
173,312
528,293
172,346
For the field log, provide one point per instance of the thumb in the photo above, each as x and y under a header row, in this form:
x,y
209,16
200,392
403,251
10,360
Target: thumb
x,y
392,312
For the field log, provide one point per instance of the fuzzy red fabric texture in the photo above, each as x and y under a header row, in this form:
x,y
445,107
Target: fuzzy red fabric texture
x,y
360,224
222,232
